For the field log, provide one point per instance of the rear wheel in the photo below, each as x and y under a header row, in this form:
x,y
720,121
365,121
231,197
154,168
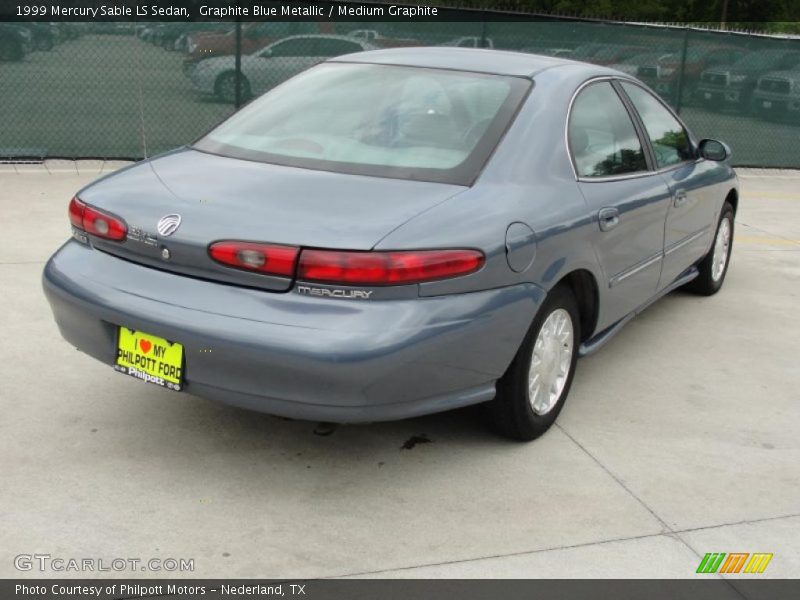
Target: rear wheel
x,y
225,87
714,265
533,390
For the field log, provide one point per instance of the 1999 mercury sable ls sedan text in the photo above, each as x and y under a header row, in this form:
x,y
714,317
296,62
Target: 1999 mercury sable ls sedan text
x,y
398,232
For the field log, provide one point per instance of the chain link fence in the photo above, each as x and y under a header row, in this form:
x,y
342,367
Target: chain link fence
x,y
126,90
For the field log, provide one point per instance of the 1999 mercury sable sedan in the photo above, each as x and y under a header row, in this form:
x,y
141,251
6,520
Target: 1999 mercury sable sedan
x,y
398,232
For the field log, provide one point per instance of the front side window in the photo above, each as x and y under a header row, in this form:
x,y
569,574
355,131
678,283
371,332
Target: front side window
x,y
668,138
602,138
381,120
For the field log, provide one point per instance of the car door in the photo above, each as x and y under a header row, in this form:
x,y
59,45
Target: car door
x,y
626,197
691,210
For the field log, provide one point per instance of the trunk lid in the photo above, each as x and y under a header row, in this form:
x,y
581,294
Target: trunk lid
x,y
221,198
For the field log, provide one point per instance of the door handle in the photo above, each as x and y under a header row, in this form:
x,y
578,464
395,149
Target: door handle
x,y
608,218
680,199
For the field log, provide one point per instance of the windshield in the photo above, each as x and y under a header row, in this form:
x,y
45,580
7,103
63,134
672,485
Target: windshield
x,y
386,121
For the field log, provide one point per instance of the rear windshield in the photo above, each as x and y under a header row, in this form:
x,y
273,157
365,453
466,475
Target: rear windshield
x,y
379,120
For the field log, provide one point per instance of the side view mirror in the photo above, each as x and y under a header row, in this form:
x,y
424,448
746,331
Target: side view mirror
x,y
714,150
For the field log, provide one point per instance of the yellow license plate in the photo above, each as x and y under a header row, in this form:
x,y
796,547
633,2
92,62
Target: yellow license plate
x,y
149,358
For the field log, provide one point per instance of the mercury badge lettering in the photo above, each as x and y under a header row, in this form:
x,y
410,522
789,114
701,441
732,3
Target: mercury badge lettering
x,y
334,293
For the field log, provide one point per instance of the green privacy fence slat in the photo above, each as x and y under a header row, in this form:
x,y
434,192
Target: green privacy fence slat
x,y
120,90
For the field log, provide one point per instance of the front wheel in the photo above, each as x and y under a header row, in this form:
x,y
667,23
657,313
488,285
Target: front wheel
x,y
533,390
714,265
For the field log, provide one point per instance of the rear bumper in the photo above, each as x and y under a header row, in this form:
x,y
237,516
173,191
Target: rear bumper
x,y
297,356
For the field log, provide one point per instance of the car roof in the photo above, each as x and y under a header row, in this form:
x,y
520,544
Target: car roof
x,y
480,60
322,36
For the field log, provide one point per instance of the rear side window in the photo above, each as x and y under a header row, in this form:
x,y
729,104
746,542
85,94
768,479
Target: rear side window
x,y
669,139
602,138
293,47
332,47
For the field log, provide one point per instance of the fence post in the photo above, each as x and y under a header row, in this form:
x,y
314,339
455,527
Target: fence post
x,y
682,72
238,65
483,29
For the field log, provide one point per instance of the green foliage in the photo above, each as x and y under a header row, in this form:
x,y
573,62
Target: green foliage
x,y
767,15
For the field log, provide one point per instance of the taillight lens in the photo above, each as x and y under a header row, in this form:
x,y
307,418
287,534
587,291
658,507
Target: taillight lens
x,y
269,259
386,268
76,208
94,221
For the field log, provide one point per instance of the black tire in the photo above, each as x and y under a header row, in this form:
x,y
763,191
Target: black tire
x,y
705,283
225,87
511,412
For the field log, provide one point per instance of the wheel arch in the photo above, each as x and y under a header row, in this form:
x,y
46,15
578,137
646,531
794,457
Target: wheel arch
x,y
733,199
583,285
218,79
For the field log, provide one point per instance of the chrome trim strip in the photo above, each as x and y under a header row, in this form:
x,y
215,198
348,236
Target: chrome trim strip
x,y
662,170
620,277
606,178
586,83
687,240
671,111
638,174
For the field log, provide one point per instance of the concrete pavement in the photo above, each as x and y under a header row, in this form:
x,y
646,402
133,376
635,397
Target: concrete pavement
x,y
681,437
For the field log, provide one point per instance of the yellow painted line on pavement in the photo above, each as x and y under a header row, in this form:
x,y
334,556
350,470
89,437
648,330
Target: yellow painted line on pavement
x,y
769,241
776,195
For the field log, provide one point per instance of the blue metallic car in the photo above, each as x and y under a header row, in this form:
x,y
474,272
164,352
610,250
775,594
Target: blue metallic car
x,y
395,233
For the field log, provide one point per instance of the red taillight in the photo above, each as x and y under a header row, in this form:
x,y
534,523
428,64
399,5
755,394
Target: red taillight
x,y
76,208
386,268
89,219
269,259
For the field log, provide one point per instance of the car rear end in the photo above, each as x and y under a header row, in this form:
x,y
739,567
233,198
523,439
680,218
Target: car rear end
x,y
315,351
255,269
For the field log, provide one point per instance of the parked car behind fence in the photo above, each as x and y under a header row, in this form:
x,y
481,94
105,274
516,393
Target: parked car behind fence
x,y
732,86
777,95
